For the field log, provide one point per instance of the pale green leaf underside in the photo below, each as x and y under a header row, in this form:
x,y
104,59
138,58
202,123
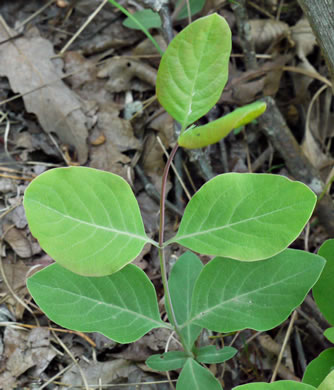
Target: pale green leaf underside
x,y
319,368
181,285
122,306
324,288
87,220
329,334
195,377
328,382
167,361
193,71
245,216
231,295
280,385
210,354
201,136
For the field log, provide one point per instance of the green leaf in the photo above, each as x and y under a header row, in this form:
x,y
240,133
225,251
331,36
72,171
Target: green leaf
x,y
150,19
122,306
195,7
245,216
195,377
181,285
146,17
319,368
87,220
167,361
329,334
193,71
280,385
198,137
328,382
323,291
210,354
231,295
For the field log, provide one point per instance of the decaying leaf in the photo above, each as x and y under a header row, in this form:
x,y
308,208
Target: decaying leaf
x,y
24,350
98,372
122,72
265,31
27,63
305,41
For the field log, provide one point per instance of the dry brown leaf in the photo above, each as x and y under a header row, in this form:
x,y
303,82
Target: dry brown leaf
x,y
304,39
122,72
21,245
265,31
24,350
27,63
105,372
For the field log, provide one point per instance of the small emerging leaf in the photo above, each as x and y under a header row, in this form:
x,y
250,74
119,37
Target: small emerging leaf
x,y
122,306
208,134
146,17
245,216
232,295
193,70
280,385
210,354
195,377
85,219
167,361
324,288
319,368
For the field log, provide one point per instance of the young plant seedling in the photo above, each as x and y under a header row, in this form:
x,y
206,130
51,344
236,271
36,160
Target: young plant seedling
x,y
89,222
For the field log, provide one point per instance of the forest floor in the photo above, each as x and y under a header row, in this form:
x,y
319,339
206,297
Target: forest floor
x,y
90,101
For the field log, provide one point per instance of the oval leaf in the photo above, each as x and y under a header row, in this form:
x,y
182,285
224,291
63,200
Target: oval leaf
x,y
210,354
245,216
319,368
193,71
231,295
85,219
167,361
324,288
181,285
280,385
195,377
122,306
201,136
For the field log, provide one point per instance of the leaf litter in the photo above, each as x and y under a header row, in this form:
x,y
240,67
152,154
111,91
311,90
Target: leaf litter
x,y
80,101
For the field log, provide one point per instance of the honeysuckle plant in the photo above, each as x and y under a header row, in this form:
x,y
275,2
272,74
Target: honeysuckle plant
x,y
89,222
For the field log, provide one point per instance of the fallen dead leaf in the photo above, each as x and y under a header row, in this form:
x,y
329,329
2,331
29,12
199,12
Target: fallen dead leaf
x,y
27,62
24,350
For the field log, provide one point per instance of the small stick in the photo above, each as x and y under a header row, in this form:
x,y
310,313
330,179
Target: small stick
x,y
286,339
89,19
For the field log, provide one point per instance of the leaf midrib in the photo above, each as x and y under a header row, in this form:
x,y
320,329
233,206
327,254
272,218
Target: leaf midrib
x,y
212,308
100,227
113,306
177,238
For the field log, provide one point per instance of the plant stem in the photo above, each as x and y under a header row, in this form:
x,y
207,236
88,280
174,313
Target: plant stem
x,y
161,249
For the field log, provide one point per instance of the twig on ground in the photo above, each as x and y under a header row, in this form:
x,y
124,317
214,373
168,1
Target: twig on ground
x,y
89,19
153,193
244,32
286,339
